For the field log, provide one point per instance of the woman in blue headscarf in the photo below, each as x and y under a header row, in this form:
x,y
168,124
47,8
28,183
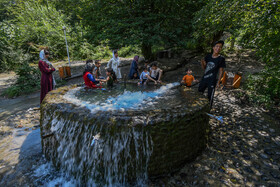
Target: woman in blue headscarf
x,y
134,71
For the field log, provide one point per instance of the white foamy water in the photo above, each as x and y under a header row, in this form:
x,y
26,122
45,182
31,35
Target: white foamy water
x,y
47,174
127,100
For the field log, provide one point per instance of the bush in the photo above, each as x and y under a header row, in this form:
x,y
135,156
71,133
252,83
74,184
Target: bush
x,y
28,81
129,51
264,88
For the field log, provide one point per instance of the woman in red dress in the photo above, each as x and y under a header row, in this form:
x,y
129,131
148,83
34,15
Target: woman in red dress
x,y
46,76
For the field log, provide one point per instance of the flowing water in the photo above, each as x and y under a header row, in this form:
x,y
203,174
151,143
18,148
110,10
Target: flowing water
x,y
99,154
106,159
132,97
125,152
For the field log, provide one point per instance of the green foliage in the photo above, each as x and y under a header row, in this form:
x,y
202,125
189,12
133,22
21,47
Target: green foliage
x,y
264,88
144,23
28,80
32,26
252,24
96,27
37,25
129,51
10,56
4,4
60,82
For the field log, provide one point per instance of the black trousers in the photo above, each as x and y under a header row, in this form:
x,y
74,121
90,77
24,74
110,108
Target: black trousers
x,y
209,84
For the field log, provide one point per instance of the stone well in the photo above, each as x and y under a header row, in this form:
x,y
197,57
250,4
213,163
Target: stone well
x,y
123,145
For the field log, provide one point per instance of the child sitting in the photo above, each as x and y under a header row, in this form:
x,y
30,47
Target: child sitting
x,y
188,79
145,75
155,73
110,79
90,81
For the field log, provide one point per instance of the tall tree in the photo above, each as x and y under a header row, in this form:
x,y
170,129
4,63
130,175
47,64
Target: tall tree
x,y
145,23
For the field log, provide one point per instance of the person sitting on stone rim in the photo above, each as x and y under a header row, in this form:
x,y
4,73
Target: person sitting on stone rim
x,y
155,73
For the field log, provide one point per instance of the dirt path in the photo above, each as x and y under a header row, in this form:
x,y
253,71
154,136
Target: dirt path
x,y
6,79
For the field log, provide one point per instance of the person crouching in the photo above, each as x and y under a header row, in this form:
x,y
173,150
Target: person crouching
x,y
89,79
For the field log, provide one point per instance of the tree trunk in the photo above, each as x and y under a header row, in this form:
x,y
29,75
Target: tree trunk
x,y
147,51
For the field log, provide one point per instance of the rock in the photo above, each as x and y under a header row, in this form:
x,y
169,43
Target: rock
x,y
264,156
249,170
268,151
267,140
275,175
183,175
246,157
264,178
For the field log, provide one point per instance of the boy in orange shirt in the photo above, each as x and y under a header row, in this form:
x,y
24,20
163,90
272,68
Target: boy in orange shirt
x,y
188,79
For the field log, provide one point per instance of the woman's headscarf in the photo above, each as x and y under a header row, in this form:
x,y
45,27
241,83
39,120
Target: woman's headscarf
x,y
89,67
114,52
136,58
42,55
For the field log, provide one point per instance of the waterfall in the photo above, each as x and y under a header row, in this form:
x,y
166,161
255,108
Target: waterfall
x,y
120,138
115,158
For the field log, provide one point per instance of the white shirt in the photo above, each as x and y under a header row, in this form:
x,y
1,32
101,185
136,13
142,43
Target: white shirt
x,y
154,73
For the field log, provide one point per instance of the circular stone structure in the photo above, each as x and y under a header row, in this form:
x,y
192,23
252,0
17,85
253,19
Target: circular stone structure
x,y
114,137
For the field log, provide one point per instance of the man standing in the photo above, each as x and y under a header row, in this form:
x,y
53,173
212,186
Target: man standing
x,y
212,64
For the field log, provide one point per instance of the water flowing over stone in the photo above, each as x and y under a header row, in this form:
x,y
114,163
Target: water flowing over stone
x,y
112,142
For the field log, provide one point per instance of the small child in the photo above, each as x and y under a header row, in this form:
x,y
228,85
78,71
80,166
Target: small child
x,y
135,76
188,79
145,75
110,79
97,70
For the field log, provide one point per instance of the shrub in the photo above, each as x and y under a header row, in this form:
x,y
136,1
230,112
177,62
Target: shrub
x,y
264,88
28,80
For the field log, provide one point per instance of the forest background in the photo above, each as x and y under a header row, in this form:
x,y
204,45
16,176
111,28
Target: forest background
x,y
95,27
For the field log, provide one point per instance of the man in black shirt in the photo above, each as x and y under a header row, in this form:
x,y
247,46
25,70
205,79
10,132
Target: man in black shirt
x,y
212,64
